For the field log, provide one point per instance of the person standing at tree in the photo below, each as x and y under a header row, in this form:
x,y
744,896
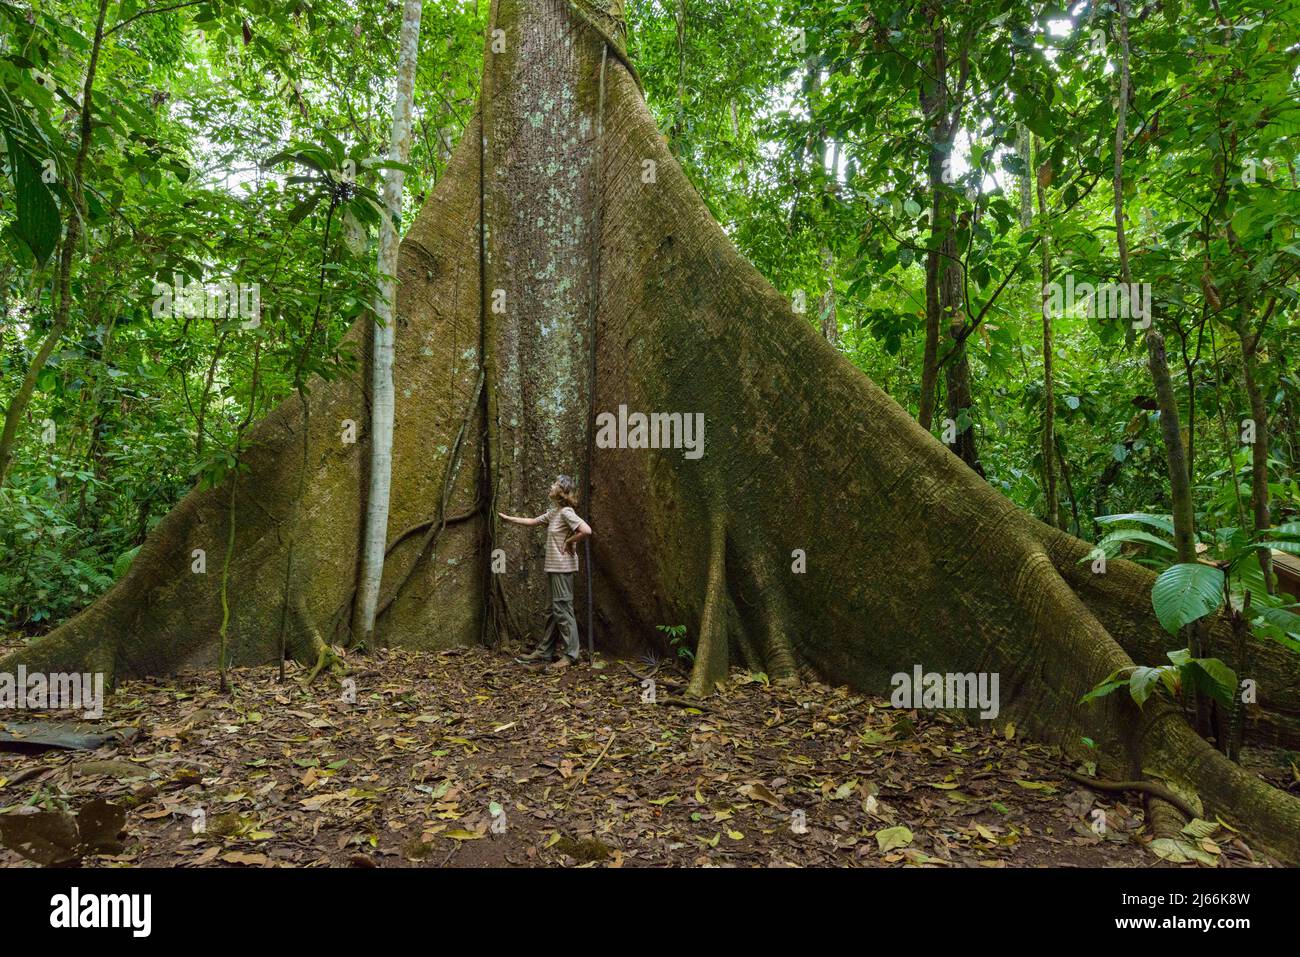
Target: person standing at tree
x,y
564,529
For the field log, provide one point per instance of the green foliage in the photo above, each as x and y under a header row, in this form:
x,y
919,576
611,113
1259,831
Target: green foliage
x,y
49,566
1184,593
1208,675
677,638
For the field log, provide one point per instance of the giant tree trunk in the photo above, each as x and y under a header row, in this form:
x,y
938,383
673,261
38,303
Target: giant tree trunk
x,y
911,558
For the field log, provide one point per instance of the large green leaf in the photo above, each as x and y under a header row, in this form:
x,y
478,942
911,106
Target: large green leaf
x,y
1186,592
1211,676
1279,624
1116,679
1143,681
1110,543
37,224
1163,522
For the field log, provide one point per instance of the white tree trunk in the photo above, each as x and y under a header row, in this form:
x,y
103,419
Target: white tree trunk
x,y
382,394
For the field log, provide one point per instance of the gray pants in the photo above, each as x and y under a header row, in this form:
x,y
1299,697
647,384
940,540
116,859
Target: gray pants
x,y
560,623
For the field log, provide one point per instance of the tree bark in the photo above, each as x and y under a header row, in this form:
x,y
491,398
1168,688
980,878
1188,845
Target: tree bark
x,y
796,441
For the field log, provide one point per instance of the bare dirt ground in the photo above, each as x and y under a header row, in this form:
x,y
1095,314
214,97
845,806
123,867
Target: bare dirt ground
x,y
465,758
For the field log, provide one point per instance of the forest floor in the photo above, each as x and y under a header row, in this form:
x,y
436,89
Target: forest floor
x,y
464,758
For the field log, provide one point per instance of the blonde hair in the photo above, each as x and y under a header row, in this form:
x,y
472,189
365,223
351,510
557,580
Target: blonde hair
x,y
567,494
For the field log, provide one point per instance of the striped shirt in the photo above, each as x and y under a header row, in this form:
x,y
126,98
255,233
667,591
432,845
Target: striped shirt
x,y
560,523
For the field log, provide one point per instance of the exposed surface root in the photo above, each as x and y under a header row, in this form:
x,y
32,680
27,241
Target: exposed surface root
x,y
642,676
326,660
1173,751
682,702
306,645
1121,600
1166,819
1149,788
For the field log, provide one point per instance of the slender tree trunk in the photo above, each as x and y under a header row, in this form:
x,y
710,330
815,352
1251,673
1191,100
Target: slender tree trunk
x,y
1026,177
944,292
1180,489
382,396
201,413
1053,505
1069,488
1171,432
1170,428
1260,448
830,323
679,119
961,397
934,105
94,399
18,404
930,353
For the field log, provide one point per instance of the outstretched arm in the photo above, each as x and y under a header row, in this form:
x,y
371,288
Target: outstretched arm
x,y
515,519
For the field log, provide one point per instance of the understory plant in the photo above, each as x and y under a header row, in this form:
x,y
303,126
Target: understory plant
x,y
1227,580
